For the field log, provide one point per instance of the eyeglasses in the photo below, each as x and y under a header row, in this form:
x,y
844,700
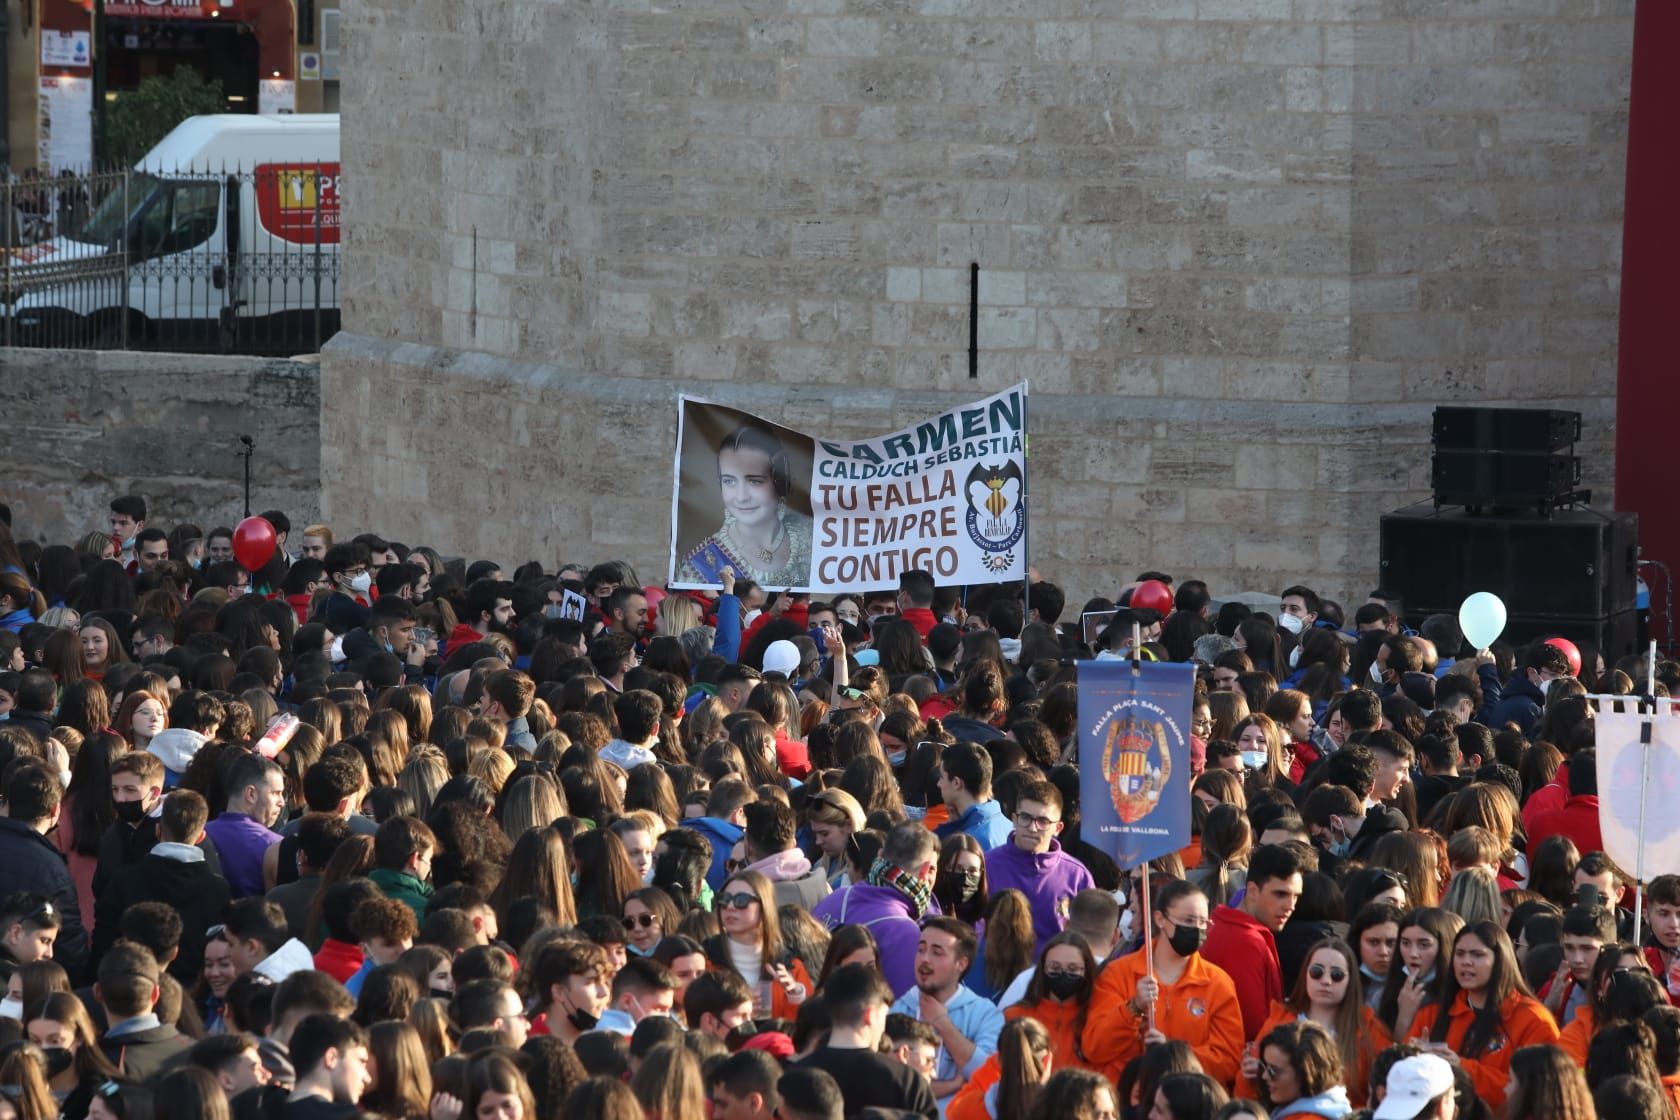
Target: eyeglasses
x,y
1027,820
739,901
643,920
1387,880
1337,975
1270,1072
732,865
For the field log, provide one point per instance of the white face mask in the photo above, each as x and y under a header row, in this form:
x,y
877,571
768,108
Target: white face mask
x,y
12,1009
1125,926
1291,623
1376,673
1294,656
1254,760
360,583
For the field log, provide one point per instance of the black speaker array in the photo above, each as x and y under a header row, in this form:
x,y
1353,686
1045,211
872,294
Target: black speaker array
x,y
1506,458
1499,523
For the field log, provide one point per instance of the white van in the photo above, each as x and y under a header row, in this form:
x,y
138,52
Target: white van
x,y
223,237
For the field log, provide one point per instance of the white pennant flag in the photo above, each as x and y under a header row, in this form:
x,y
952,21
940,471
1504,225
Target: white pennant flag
x,y
1634,776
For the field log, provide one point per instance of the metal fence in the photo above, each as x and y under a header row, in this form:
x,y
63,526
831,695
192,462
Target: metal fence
x,y
242,261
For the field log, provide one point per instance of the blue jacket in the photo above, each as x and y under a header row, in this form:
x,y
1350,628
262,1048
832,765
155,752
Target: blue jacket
x,y
984,821
723,836
726,643
976,1019
1521,704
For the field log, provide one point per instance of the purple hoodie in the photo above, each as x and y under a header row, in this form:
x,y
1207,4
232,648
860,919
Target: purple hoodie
x,y
1048,879
886,913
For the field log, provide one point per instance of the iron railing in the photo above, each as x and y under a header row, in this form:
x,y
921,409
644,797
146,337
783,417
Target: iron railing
x,y
230,261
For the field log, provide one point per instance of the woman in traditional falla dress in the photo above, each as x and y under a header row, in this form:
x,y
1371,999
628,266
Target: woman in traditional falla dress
x,y
760,539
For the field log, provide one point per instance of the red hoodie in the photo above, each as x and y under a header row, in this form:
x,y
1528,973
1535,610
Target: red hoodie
x,y
922,619
339,959
1246,949
300,606
462,635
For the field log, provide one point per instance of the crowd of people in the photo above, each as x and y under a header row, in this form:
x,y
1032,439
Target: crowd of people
x,y
369,831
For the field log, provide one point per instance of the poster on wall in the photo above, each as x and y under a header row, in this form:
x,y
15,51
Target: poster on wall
x,y
276,95
66,124
66,48
803,513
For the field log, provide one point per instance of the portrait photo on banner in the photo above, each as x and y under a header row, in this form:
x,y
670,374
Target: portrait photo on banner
x,y
742,499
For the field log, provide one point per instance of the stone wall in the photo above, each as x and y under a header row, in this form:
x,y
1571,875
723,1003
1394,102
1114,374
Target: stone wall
x,y
82,427
1239,248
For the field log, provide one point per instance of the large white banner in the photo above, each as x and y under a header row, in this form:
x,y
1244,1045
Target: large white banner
x,y
802,513
1634,775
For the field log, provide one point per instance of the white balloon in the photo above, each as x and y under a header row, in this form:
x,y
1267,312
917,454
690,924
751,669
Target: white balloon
x,y
1482,618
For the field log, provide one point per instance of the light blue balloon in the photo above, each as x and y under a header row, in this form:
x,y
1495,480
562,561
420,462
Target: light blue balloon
x,y
1482,618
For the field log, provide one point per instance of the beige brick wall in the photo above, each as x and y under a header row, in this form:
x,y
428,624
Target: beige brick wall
x,y
1240,249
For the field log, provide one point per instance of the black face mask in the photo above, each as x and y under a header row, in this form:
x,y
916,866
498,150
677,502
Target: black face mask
x,y
1187,939
442,993
582,1019
1063,985
58,1059
962,885
131,812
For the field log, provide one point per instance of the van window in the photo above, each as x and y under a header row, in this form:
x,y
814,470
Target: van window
x,y
179,216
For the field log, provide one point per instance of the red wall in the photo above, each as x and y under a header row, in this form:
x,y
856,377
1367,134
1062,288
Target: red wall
x,y
1645,381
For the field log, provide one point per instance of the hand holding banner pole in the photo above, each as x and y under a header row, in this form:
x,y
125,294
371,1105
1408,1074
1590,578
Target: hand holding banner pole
x,y
1147,917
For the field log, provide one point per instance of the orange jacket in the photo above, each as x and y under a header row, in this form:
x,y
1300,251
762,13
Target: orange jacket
x,y
1577,1036
1373,1039
1201,1009
1671,1086
780,1006
1058,1019
1524,1021
969,1103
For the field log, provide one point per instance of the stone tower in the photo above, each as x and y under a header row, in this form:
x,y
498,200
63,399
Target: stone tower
x,y
1240,249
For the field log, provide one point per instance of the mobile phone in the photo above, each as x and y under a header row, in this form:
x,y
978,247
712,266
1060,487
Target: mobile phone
x,y
424,634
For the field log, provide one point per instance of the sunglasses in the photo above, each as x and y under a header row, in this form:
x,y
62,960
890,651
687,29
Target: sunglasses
x,y
1269,1071
1337,975
738,901
854,694
643,920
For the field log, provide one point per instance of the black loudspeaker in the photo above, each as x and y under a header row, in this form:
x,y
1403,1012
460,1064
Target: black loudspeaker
x,y
1478,479
1506,429
1575,564
1616,636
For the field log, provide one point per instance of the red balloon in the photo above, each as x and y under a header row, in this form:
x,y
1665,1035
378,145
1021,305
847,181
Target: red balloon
x,y
1569,651
1153,595
253,543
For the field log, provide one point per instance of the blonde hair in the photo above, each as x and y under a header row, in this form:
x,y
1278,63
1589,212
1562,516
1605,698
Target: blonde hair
x,y
323,531
422,776
837,807
534,801
493,767
650,822
678,614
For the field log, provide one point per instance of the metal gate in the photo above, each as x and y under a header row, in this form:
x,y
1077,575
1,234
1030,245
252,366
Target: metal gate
x,y
231,261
